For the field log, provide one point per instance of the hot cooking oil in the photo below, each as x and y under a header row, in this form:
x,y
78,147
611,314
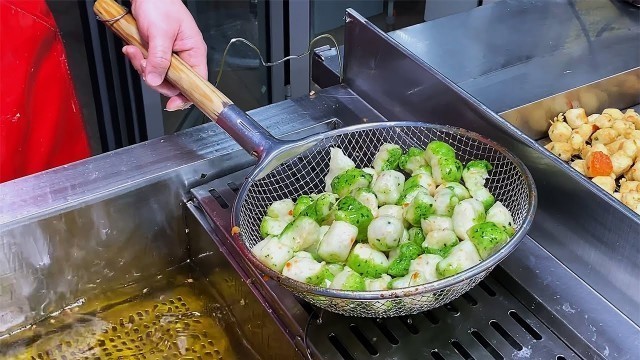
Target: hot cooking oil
x,y
180,319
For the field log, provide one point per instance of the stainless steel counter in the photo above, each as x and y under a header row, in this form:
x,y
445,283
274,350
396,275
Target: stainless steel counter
x,y
541,47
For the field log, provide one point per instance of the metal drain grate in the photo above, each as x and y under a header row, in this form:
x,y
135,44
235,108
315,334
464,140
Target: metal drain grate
x,y
485,323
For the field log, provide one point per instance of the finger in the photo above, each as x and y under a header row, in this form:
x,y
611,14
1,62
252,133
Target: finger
x,y
135,57
159,56
140,63
178,102
166,89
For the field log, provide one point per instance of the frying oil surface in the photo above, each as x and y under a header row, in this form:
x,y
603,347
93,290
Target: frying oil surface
x,y
177,322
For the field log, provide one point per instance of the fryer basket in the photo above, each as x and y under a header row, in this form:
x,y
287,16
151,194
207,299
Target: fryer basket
x,y
509,181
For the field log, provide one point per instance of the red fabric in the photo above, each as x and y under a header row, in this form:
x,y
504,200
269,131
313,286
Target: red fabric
x,y
40,121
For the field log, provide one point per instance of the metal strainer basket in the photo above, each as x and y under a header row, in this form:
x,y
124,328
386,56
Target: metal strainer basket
x,y
509,181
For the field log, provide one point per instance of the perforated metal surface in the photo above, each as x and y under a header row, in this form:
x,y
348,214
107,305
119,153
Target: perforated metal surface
x,y
485,323
509,182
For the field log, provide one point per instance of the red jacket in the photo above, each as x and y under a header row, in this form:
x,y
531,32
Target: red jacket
x,y
40,121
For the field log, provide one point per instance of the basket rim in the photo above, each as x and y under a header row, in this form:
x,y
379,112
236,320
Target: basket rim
x,y
398,311
431,287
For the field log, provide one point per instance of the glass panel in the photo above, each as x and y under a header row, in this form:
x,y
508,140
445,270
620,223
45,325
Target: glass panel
x,y
243,80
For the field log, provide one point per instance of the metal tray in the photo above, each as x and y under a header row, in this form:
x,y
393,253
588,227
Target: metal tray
x,y
620,91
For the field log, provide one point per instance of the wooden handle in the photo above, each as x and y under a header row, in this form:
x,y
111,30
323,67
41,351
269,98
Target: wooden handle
x,y
193,86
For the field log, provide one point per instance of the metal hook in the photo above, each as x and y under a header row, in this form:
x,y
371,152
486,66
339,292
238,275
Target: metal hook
x,y
264,63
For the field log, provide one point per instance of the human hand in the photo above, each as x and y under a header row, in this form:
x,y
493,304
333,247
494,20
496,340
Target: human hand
x,y
166,26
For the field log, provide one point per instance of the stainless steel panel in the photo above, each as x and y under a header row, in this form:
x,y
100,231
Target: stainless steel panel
x,y
619,91
435,9
548,75
540,47
579,315
48,264
591,233
325,66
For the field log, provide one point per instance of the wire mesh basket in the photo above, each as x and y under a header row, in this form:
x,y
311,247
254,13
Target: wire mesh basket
x,y
509,181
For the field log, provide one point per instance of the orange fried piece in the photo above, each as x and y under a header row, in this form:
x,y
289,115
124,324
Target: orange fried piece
x,y
598,164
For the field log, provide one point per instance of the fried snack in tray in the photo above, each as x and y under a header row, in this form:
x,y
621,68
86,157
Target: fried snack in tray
x,y
604,147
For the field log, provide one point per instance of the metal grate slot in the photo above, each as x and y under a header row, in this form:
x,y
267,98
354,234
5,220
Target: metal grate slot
x,y
505,335
234,187
407,321
461,350
486,345
484,286
219,199
342,350
429,315
386,332
525,325
451,308
363,339
436,355
470,299
560,357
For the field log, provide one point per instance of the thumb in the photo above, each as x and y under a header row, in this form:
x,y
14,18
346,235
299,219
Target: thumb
x,y
159,57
